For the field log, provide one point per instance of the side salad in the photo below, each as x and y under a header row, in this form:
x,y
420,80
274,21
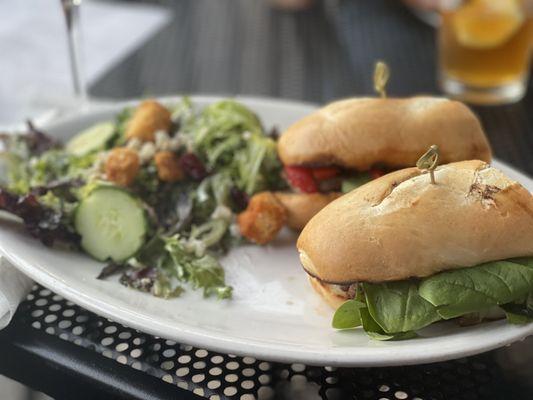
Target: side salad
x,y
153,193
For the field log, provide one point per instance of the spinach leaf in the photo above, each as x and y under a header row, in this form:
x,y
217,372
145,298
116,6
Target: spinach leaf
x,y
468,290
374,331
347,315
398,307
518,313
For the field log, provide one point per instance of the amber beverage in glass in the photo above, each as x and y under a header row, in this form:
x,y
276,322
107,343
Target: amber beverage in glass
x,y
484,49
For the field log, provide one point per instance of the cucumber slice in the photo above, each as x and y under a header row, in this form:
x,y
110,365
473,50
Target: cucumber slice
x,y
91,139
112,224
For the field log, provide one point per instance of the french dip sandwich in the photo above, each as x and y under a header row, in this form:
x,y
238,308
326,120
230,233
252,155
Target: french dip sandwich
x,y
400,252
350,142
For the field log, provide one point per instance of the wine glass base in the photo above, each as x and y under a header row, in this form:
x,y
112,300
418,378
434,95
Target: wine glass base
x,y
493,95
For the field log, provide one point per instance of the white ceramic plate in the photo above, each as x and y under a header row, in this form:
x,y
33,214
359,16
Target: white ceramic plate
x,y
274,314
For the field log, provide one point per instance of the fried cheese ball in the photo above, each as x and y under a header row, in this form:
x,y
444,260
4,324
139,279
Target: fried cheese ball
x,y
262,219
122,166
168,167
148,118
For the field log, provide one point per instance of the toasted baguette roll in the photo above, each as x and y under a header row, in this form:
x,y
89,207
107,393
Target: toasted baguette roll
x,y
360,133
401,226
301,207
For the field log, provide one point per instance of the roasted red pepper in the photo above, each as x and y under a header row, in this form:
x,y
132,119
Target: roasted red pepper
x,y
376,173
301,178
323,173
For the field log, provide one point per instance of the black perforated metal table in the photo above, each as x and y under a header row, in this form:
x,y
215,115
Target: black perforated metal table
x,y
106,359
245,47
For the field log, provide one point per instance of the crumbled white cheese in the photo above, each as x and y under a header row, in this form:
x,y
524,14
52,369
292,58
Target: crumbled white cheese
x,y
197,246
162,140
222,212
134,144
134,263
247,135
234,230
188,143
100,161
147,152
175,143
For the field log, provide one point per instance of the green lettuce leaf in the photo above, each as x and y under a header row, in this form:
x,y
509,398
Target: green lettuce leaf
x,y
218,122
182,112
398,307
258,165
203,272
176,263
229,114
121,123
347,315
229,138
468,290
209,233
213,191
14,173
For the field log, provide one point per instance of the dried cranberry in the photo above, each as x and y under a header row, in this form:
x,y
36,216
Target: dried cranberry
x,y
192,166
240,198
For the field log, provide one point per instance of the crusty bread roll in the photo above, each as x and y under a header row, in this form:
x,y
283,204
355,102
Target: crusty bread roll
x,y
401,226
360,133
301,207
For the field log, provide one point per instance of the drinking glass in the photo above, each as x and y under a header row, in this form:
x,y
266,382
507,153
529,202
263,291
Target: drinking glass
x,y
484,49
71,10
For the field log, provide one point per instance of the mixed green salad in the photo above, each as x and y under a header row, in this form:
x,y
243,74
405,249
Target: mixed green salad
x,y
158,211
396,310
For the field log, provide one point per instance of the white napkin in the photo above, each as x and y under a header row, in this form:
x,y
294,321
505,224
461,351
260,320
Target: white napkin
x,y
14,286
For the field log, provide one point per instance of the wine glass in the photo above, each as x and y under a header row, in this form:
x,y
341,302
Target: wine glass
x,y
71,11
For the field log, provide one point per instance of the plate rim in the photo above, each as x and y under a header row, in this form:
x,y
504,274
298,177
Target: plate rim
x,y
376,356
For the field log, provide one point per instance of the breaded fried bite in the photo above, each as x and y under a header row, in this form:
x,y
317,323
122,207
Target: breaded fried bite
x,y
168,166
148,118
122,166
262,219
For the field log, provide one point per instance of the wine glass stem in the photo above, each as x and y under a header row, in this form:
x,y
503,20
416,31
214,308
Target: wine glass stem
x,y
71,9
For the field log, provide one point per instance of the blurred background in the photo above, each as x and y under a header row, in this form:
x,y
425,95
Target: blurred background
x,y
309,50
312,50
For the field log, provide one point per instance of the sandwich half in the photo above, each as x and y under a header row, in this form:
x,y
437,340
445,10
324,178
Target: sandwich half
x,y
406,253
350,142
